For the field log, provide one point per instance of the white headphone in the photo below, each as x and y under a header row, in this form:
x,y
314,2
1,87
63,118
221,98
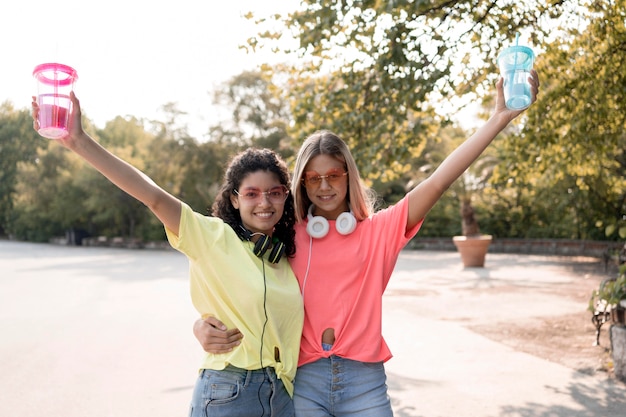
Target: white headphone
x,y
318,225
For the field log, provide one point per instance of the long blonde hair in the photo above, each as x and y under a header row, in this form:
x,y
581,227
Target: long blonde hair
x,y
324,142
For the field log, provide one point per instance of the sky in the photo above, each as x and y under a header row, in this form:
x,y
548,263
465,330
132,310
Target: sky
x,y
133,56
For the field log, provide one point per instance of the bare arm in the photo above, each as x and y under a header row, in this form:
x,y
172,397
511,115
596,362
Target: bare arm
x,y
128,178
423,197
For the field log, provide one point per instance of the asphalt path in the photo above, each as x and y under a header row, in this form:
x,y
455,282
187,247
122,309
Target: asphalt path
x,y
108,332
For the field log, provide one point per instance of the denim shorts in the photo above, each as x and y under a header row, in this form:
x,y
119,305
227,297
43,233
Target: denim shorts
x,y
235,392
341,387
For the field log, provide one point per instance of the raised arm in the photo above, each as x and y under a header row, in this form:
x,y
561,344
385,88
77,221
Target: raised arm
x,y
128,178
423,197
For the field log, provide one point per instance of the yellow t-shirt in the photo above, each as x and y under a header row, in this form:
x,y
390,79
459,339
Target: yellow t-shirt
x,y
229,282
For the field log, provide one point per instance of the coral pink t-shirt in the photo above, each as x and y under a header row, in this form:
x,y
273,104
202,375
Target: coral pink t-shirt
x,y
342,279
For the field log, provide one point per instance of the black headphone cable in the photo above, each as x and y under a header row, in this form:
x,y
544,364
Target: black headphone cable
x,y
263,333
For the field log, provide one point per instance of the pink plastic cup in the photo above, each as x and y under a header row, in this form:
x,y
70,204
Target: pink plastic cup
x,y
54,84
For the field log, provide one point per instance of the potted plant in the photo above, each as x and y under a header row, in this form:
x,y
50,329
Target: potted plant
x,y
608,302
610,297
472,245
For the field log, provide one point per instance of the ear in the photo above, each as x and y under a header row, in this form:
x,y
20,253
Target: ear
x,y
234,201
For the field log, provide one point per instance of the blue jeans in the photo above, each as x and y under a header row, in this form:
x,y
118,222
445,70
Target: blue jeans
x,y
235,392
339,387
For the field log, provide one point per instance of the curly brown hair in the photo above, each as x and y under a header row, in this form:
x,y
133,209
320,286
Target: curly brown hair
x,y
249,161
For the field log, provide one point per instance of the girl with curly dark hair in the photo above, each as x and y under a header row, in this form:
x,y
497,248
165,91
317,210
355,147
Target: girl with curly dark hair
x,y
238,271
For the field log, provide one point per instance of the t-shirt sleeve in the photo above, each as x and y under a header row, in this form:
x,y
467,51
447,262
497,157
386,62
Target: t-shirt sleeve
x,y
393,222
197,233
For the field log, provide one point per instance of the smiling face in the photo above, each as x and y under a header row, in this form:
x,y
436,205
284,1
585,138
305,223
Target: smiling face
x,y
259,210
328,195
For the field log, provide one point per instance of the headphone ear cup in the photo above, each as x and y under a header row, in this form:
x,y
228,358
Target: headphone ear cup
x,y
317,227
346,223
243,233
261,245
277,251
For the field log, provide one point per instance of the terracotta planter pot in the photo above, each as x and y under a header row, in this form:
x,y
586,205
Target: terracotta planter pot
x,y
473,249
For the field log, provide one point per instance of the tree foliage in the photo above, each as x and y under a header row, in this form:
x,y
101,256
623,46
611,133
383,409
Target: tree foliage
x,y
379,73
57,192
385,76
372,70
18,144
572,149
258,109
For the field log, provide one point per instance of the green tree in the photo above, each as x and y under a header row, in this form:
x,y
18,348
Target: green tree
x,y
49,198
49,201
570,158
259,111
58,192
372,71
18,144
61,193
189,169
115,212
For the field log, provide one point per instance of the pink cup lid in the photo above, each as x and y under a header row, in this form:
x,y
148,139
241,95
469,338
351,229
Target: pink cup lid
x,y
56,74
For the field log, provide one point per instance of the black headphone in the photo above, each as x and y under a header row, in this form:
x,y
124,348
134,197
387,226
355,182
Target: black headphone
x,y
263,244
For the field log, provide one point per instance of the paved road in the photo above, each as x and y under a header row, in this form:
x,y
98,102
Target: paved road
x,y
107,332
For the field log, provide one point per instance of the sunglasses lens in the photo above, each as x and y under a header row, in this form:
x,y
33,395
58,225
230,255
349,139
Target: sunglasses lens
x,y
275,195
313,179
